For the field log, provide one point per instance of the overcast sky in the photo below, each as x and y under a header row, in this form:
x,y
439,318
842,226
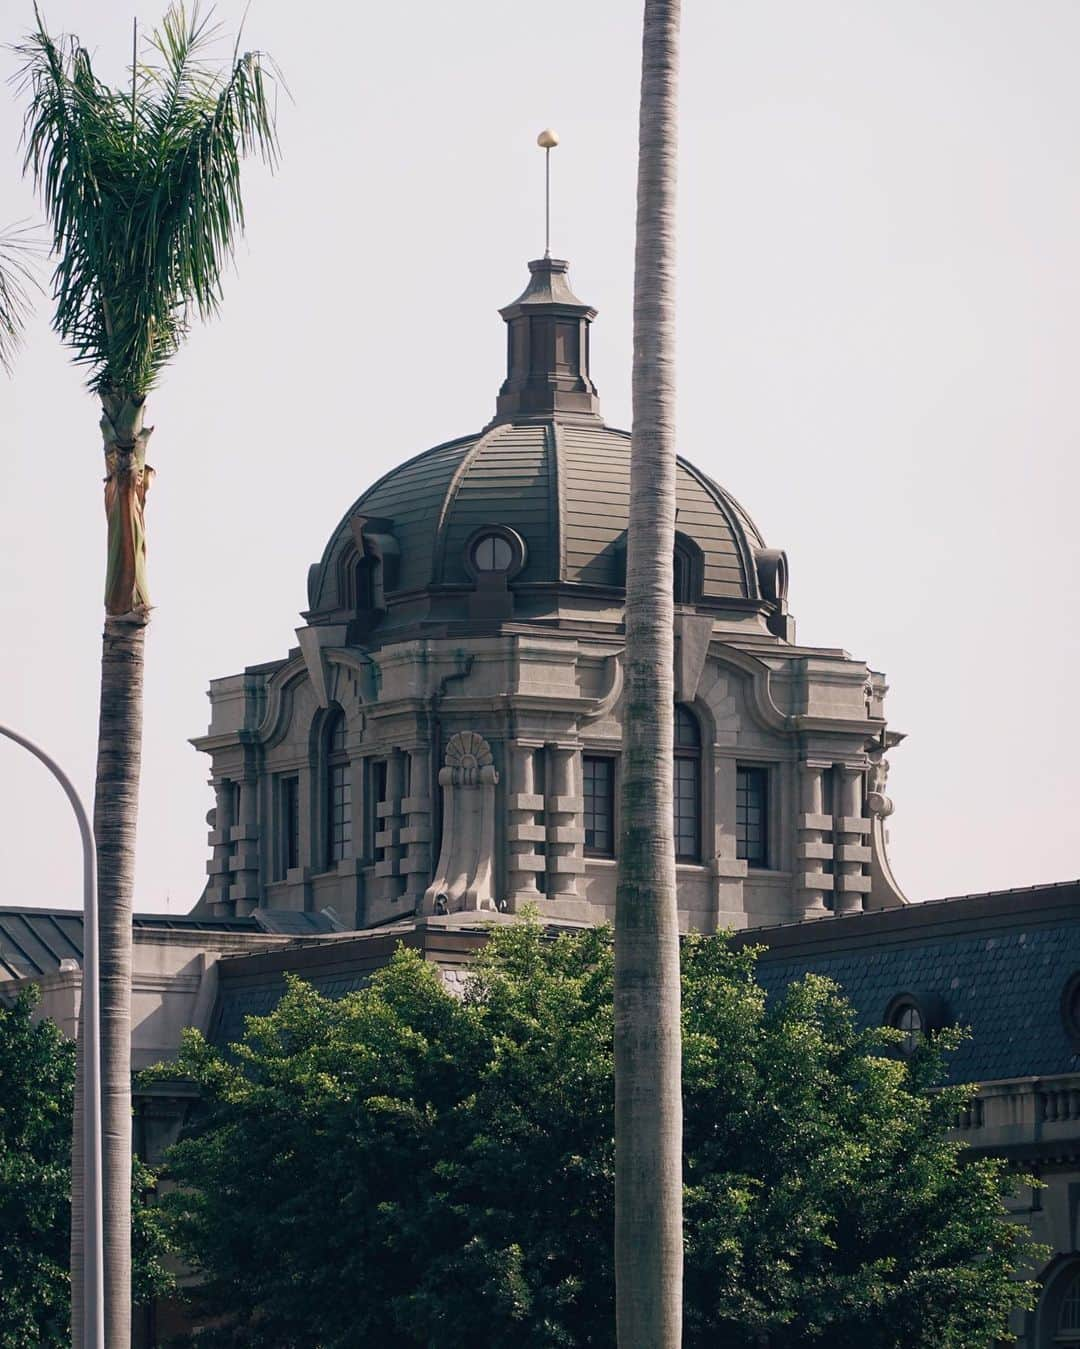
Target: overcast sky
x,y
879,337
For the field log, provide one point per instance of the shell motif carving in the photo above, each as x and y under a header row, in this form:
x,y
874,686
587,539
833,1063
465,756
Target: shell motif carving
x,y
469,761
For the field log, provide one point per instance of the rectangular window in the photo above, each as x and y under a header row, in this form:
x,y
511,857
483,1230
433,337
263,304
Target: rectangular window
x,y
599,781
540,789
376,795
289,825
752,815
687,808
339,789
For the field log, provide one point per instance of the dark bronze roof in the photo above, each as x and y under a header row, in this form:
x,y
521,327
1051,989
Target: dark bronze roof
x,y
564,487
547,467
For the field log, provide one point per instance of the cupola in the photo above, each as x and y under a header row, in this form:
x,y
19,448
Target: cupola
x,y
547,350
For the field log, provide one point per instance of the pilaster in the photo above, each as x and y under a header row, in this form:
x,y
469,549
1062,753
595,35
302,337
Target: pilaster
x,y
525,829
814,883
244,892
564,806
849,835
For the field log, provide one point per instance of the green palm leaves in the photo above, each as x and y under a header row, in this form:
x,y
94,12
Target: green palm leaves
x,y
17,280
141,188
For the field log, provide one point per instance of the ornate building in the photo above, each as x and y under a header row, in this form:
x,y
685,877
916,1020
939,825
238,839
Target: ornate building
x,y
445,737
441,748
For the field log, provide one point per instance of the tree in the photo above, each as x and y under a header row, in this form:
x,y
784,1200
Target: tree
x,y
648,1110
17,280
450,1162
37,1071
141,187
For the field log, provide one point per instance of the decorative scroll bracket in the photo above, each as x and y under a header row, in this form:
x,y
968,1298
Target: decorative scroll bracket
x,y
465,877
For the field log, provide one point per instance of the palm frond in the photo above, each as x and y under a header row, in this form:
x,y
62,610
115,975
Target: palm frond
x,y
142,187
19,246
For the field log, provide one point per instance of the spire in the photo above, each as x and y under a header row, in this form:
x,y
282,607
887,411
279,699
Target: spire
x,y
547,360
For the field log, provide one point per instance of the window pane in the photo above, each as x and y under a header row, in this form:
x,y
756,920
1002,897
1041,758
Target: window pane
x,y
1069,1315
492,553
290,825
751,815
339,803
599,780
687,808
687,734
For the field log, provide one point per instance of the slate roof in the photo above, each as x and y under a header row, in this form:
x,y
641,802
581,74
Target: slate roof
x,y
235,1005
999,963
252,985
34,941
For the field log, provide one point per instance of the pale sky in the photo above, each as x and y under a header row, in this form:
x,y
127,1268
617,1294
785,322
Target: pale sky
x,y
879,333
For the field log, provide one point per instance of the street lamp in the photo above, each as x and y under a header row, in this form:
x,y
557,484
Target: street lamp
x,y
93,1241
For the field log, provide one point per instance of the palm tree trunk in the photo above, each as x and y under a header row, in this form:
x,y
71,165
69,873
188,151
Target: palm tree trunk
x,y
116,804
648,1041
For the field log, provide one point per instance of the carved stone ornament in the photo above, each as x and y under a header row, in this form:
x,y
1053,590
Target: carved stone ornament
x,y
465,877
876,801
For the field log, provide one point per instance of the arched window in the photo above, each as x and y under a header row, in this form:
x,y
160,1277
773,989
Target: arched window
x,y
1068,1317
687,786
338,791
682,576
908,1021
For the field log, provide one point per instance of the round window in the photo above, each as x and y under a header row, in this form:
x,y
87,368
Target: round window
x,y
492,552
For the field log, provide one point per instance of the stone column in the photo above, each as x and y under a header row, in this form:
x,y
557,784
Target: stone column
x,y
813,852
221,821
565,832
416,836
388,813
850,850
244,891
526,828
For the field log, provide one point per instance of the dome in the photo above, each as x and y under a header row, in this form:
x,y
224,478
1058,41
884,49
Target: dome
x,y
564,489
551,477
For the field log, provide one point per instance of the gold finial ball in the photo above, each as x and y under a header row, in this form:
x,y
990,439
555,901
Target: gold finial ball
x,y
547,139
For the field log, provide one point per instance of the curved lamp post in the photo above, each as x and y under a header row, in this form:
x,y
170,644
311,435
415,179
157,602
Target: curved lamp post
x,y
93,1245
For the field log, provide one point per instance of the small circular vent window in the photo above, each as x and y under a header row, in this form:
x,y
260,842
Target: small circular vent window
x,y
492,552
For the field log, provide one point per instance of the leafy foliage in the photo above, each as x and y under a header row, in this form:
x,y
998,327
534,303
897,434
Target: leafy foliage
x,y
37,1097
141,188
448,1161
37,1085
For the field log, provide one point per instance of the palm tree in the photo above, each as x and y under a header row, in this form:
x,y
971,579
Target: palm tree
x,y
141,188
648,1041
17,281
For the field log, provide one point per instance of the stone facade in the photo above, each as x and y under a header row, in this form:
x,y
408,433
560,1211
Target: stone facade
x,y
474,596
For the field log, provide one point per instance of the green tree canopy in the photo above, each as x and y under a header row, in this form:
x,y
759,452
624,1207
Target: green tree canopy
x,y
37,1097
37,1080
407,1167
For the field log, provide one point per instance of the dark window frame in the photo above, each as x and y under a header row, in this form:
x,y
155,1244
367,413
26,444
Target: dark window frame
x,y
753,793
288,822
377,777
687,772
610,762
337,790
